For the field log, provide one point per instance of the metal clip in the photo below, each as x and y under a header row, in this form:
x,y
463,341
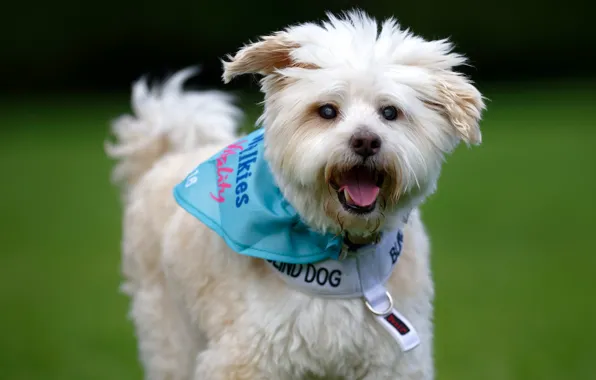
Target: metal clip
x,y
377,239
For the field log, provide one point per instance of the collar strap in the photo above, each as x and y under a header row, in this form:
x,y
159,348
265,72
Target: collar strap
x,y
362,275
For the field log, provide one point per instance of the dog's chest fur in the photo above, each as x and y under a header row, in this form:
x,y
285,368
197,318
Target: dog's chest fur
x,y
286,334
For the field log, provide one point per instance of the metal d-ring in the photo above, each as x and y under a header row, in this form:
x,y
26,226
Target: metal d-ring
x,y
372,310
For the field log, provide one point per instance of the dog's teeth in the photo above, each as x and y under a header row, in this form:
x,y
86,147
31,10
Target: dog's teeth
x,y
348,197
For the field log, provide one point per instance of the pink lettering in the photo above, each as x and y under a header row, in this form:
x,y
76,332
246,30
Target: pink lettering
x,y
218,199
223,171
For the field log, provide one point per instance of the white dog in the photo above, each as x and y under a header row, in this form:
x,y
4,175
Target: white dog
x,y
296,252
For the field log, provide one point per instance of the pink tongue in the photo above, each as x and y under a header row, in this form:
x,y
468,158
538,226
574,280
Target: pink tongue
x,y
361,186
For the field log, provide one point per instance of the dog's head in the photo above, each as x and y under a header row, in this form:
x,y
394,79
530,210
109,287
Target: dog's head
x,y
358,118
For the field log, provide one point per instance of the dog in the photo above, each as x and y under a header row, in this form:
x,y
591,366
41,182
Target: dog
x,y
296,251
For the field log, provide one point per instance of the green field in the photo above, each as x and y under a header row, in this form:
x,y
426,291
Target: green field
x,y
512,226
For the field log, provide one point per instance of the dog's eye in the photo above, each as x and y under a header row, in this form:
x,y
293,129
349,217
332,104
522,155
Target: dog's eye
x,y
327,111
389,113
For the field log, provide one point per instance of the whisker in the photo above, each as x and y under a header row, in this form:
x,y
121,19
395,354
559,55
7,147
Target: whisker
x,y
376,230
383,200
341,225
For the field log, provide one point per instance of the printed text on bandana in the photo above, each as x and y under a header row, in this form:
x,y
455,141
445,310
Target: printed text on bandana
x,y
246,157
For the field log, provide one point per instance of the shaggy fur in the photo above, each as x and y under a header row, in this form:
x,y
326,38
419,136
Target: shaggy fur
x,y
202,311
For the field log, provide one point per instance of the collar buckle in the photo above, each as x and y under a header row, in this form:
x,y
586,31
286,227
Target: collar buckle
x,y
349,247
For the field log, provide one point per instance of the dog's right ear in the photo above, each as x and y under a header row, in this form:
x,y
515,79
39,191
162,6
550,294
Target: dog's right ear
x,y
263,57
461,103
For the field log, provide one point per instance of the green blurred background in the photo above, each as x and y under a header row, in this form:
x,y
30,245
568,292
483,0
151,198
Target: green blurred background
x,y
512,224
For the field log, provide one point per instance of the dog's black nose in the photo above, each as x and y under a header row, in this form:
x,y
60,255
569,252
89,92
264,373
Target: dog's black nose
x,y
365,144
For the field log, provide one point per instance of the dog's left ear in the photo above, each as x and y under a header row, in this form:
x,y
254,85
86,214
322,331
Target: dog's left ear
x,y
461,103
263,57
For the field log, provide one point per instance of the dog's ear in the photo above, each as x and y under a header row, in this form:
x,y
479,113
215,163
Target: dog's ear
x,y
461,103
263,57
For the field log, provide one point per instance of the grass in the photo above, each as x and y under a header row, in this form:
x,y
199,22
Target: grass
x,y
512,228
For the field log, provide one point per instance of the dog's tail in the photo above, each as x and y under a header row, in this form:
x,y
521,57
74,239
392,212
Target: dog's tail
x,y
168,119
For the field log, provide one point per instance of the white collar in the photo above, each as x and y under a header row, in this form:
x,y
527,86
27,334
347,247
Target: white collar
x,y
351,277
359,275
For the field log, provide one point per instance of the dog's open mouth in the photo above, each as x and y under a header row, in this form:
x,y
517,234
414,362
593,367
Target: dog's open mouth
x,y
358,189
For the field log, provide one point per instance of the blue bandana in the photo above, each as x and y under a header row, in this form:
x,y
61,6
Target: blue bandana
x,y
235,195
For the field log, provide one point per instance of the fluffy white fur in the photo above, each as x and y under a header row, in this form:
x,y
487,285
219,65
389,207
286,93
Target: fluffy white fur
x,y
202,311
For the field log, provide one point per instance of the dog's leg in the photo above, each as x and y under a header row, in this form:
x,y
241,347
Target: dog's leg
x,y
193,258
165,346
